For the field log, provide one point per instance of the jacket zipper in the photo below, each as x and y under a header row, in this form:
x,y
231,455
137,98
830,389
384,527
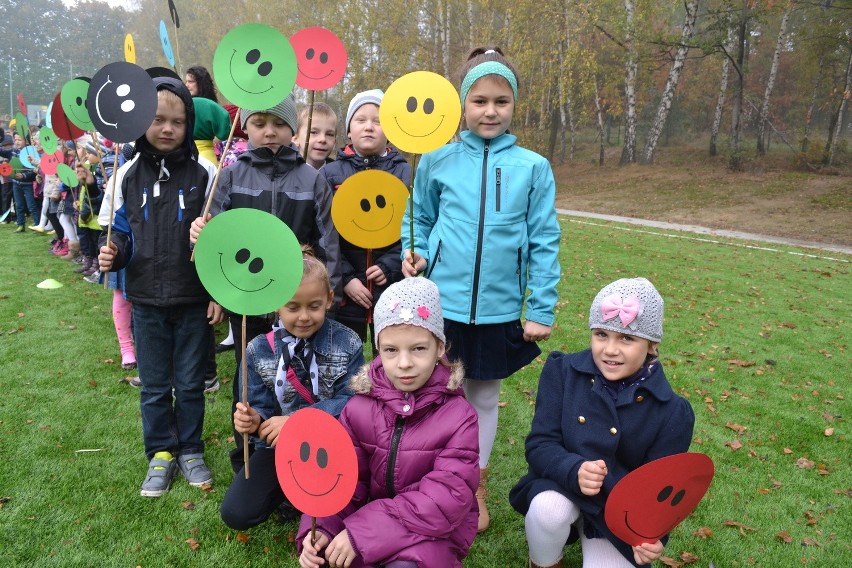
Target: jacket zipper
x,y
145,203
181,206
394,449
520,263
481,230
437,260
498,190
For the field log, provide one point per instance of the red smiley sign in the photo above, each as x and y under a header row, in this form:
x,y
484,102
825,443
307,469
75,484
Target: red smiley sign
x,y
61,124
320,58
5,169
653,499
316,463
49,162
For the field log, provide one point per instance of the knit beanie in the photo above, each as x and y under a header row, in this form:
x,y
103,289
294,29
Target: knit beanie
x,y
373,96
89,145
631,306
411,301
285,110
211,120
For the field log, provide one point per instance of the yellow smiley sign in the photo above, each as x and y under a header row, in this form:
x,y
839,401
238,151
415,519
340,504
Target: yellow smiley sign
x,y
367,208
129,49
420,112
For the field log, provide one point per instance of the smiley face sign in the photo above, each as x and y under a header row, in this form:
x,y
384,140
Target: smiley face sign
x,y
22,126
73,98
67,176
122,100
249,261
5,169
48,140
49,162
420,112
367,208
27,154
254,66
60,123
129,49
653,499
320,58
166,43
316,463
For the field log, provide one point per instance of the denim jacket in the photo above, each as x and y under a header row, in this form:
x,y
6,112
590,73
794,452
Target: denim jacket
x,y
339,356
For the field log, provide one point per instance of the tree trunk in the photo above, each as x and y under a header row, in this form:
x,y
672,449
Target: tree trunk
x,y
469,24
600,121
809,116
628,153
834,133
723,87
773,72
735,159
671,84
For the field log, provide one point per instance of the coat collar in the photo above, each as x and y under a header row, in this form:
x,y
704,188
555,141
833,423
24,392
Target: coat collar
x,y
475,144
656,385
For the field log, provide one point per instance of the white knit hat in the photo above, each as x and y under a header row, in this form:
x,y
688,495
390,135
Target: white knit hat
x,y
373,96
631,306
411,301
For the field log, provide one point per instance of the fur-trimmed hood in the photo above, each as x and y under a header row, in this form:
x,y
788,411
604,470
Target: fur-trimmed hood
x,y
362,383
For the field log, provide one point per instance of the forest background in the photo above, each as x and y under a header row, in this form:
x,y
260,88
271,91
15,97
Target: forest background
x,y
739,75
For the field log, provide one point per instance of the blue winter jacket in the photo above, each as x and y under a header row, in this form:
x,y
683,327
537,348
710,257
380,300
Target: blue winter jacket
x,y
485,221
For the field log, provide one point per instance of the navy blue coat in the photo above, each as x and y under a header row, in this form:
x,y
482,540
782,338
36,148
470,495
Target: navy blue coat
x,y
576,420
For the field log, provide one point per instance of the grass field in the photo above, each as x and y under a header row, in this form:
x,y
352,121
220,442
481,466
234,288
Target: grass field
x,y
758,341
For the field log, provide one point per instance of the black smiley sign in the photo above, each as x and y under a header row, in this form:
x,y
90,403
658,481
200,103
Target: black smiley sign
x,y
122,100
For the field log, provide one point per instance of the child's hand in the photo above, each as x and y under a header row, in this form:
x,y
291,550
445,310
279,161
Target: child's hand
x,y
246,419
413,264
646,552
591,477
310,557
84,175
339,552
195,228
214,313
359,293
270,429
376,275
536,331
106,256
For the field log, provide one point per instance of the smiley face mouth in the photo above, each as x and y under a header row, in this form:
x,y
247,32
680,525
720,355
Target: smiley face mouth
x,y
293,473
231,73
419,135
222,270
634,531
380,228
314,78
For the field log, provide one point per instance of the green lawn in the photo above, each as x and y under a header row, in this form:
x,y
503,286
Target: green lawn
x,y
758,340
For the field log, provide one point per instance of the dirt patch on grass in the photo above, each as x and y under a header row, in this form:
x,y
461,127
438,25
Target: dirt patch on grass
x,y
688,187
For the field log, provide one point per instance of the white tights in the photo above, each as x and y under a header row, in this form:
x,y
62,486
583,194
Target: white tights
x,y
484,396
69,227
548,526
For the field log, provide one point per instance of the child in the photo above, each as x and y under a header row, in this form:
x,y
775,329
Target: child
x,y
158,194
271,176
6,145
22,188
415,437
365,274
599,415
92,178
485,239
322,355
323,134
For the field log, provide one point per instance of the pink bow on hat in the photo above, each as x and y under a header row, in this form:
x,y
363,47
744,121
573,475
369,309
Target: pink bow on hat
x,y
626,309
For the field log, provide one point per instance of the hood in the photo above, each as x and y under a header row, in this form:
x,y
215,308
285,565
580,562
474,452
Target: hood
x,y
188,148
373,375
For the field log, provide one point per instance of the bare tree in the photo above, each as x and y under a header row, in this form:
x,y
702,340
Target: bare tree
x,y
628,153
834,133
723,88
770,83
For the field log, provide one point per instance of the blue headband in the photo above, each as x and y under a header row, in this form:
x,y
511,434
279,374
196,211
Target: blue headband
x,y
488,68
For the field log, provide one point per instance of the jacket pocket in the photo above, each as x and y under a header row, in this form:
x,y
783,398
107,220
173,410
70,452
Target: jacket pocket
x,y
435,262
330,369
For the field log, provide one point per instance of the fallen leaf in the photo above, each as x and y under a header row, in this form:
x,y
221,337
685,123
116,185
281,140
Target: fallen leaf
x,y
809,542
670,562
243,537
764,490
688,558
703,532
741,363
742,528
789,325
502,404
193,544
188,505
784,537
735,445
829,431
110,361
804,463
738,428
788,451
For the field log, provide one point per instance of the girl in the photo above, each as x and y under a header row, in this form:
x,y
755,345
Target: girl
x,y
487,242
415,437
599,415
307,360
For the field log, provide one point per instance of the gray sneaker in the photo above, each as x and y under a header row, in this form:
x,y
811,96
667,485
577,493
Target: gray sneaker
x,y
211,385
161,471
194,469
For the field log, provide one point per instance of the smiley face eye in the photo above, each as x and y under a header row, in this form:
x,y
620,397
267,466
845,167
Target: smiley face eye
x,y
264,69
664,493
79,101
304,451
380,201
428,106
411,104
253,56
678,497
242,256
322,458
323,58
365,205
309,54
256,265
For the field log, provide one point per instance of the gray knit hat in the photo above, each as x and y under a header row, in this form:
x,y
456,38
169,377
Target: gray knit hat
x,y
412,301
631,306
373,96
285,110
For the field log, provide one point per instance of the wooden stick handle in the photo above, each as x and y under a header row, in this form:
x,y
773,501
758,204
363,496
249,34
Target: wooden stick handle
x,y
306,144
244,374
111,197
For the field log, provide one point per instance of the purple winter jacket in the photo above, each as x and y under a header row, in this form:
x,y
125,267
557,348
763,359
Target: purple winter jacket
x,y
424,509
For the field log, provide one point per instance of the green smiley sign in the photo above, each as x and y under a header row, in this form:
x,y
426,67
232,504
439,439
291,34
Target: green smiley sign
x,y
254,66
48,140
73,98
249,261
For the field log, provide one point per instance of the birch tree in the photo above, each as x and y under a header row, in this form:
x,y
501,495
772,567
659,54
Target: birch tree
x,y
628,153
723,88
770,83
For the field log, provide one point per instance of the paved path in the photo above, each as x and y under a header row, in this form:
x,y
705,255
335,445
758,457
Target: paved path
x,y
707,231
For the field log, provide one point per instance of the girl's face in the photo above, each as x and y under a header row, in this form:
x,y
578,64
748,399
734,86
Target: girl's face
x,y
305,313
191,84
409,354
489,106
268,130
617,355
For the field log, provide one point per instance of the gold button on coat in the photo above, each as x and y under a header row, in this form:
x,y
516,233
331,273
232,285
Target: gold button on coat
x,y
581,419
640,398
613,430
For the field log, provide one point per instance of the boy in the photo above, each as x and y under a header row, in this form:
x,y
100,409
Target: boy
x,y
271,176
323,134
158,194
368,150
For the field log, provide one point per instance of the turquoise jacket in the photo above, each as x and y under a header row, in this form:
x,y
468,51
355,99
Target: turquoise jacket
x,y
485,221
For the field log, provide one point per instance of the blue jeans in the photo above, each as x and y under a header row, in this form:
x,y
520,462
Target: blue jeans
x,y
25,201
171,352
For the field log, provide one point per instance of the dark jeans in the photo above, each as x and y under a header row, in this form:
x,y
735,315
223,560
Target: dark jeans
x,y
5,197
25,201
88,241
249,502
171,352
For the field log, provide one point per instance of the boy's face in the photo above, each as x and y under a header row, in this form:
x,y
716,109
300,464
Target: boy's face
x,y
323,134
168,131
617,355
366,132
19,142
268,130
